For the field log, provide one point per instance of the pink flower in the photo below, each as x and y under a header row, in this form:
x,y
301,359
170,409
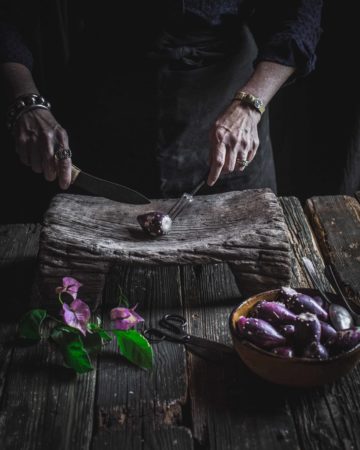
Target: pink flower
x,y
76,315
125,318
70,286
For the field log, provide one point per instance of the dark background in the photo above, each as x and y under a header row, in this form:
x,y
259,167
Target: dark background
x,y
314,129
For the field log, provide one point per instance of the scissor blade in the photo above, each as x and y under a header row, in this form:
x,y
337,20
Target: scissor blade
x,y
208,345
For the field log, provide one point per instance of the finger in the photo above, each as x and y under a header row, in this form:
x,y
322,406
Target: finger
x,y
217,163
48,161
63,166
253,151
35,156
22,150
231,153
64,173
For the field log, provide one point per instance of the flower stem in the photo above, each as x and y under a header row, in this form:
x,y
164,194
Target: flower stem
x,y
59,298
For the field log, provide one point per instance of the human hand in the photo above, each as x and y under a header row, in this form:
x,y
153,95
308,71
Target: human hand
x,y
233,139
37,135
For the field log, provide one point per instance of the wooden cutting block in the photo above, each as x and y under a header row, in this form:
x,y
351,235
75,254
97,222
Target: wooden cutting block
x,y
88,237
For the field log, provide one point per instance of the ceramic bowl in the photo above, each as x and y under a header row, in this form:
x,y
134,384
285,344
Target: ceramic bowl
x,y
301,372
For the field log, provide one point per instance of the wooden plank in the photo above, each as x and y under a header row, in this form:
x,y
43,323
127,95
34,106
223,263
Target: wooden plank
x,y
327,417
336,223
19,245
129,398
230,407
303,243
85,236
43,404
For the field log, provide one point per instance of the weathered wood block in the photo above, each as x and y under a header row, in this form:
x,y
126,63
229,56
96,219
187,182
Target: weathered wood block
x,y
89,237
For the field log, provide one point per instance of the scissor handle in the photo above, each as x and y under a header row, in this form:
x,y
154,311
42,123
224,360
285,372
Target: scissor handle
x,y
154,335
173,322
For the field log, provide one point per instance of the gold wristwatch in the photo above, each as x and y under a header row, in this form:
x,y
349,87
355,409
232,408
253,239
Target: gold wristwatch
x,y
250,100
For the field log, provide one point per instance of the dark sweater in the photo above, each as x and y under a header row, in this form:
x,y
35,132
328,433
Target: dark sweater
x,y
287,31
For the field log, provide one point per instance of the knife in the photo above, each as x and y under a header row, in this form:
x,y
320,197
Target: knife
x,y
107,189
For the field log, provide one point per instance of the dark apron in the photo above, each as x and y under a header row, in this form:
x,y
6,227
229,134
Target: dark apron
x,y
145,122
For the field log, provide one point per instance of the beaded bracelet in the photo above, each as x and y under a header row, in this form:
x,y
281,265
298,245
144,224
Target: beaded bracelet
x,y
22,105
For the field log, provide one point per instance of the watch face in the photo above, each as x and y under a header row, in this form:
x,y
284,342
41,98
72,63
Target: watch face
x,y
257,103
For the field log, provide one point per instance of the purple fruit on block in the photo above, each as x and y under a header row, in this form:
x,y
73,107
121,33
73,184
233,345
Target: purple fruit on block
x,y
155,223
315,350
307,329
347,339
274,313
286,330
301,303
284,352
259,332
328,334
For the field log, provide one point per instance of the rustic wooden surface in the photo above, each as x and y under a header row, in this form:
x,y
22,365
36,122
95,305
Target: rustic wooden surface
x,y
86,236
185,402
336,223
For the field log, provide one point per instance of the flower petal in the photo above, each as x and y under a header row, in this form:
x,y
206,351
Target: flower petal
x,y
81,309
122,325
71,286
125,323
120,313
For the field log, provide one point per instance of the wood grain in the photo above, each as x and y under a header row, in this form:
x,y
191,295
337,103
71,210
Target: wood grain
x,y
131,398
85,236
230,407
336,223
303,243
327,417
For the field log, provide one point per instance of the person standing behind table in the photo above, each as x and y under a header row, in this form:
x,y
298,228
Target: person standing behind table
x,y
197,71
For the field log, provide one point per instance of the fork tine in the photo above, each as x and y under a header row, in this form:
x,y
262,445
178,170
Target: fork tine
x,y
179,206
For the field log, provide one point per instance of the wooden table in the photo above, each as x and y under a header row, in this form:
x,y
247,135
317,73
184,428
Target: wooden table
x,y
185,402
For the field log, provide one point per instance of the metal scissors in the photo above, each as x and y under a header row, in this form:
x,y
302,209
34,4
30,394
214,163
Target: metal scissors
x,y
172,327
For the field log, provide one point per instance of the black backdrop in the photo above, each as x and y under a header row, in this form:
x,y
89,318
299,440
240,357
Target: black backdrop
x,y
315,129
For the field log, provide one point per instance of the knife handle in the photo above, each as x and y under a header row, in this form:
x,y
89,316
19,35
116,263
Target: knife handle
x,y
75,171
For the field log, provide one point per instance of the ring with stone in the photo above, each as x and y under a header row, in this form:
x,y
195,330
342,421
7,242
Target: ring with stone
x,y
62,153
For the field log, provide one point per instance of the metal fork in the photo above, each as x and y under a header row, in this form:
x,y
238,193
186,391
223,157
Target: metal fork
x,y
184,201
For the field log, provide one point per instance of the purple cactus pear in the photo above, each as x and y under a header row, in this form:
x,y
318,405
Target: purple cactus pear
x,y
286,330
301,303
307,329
286,293
259,332
274,313
315,350
155,223
347,339
284,352
328,334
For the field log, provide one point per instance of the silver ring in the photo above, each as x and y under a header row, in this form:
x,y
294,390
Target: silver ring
x,y
62,153
242,162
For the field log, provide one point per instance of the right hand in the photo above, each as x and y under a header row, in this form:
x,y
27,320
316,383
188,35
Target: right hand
x,y
37,135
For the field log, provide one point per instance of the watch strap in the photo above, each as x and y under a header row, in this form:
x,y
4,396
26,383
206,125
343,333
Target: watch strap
x,y
251,100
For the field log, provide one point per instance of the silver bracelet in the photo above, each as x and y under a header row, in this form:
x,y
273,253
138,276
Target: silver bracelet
x,y
22,105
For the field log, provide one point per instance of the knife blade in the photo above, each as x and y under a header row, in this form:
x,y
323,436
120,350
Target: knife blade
x,y
107,189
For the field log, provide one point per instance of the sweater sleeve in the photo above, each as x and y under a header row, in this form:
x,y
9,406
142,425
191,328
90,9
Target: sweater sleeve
x,y
288,32
12,45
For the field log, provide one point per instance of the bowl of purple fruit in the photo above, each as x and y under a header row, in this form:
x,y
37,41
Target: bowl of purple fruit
x,y
286,337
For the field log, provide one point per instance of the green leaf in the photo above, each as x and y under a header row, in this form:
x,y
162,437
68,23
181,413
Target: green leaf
x,y
105,336
134,347
92,342
30,323
72,349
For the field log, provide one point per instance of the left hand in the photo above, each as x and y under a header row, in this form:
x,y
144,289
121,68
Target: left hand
x,y
233,138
